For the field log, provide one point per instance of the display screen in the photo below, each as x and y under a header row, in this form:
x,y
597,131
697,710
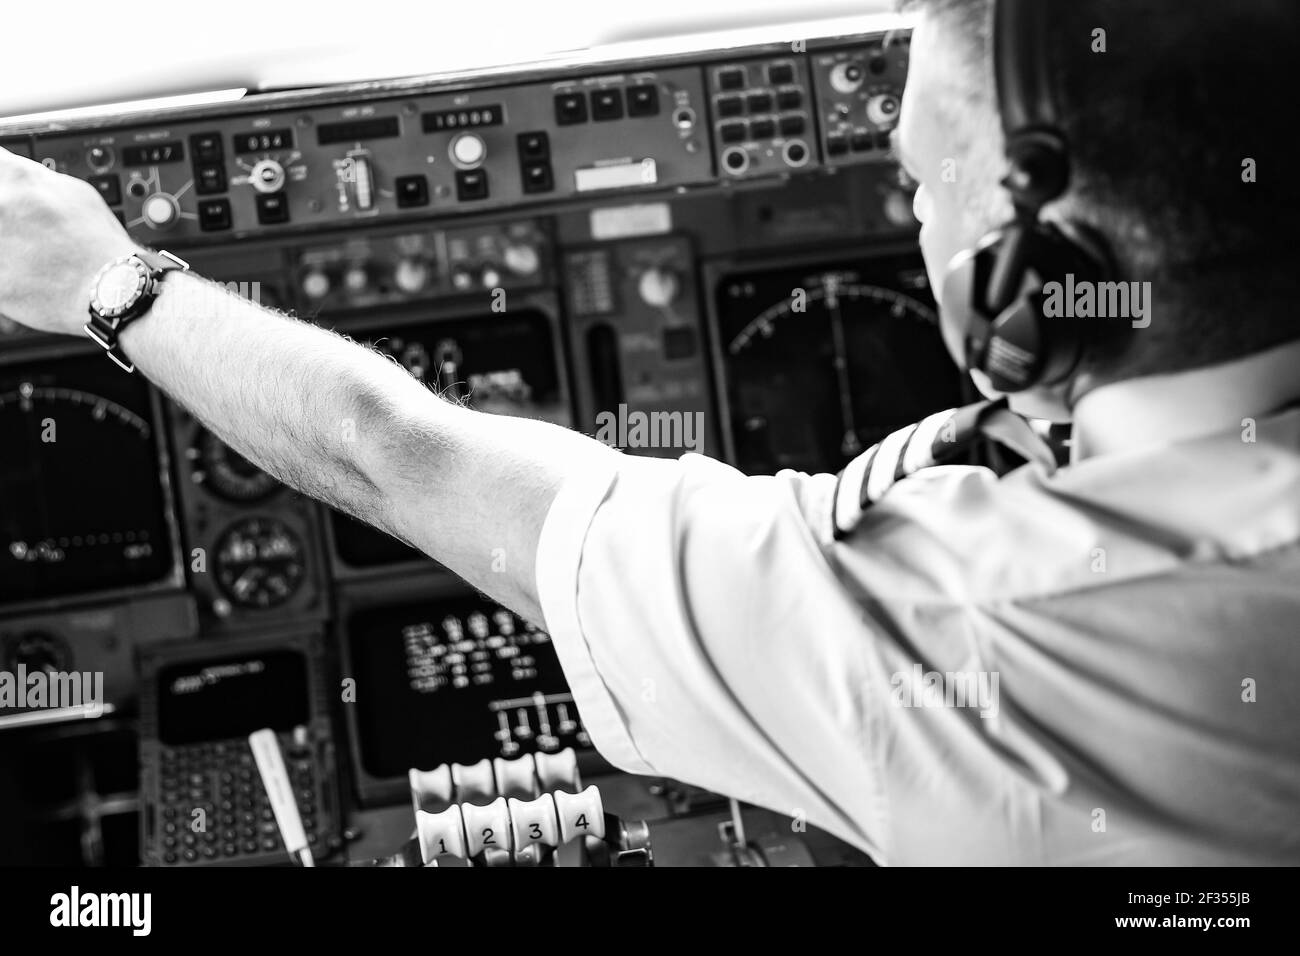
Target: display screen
x,y
499,363
261,140
468,118
152,154
379,127
228,697
82,506
455,680
824,361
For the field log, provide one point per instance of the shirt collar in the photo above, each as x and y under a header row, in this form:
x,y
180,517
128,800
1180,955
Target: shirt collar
x,y
1162,409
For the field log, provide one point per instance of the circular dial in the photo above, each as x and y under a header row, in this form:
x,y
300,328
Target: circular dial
x,y
825,373
117,288
259,563
226,473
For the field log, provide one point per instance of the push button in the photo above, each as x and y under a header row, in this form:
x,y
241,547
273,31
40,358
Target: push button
x,y
110,187
570,108
759,102
734,132
206,147
780,73
732,78
607,105
471,184
273,209
792,125
411,191
789,99
534,145
209,179
643,100
537,177
762,129
730,106
214,214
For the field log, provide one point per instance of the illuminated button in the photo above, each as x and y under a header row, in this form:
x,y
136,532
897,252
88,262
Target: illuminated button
x,y
206,147
559,771
467,150
537,176
792,125
475,781
486,828
534,821
789,99
759,102
658,287
762,129
534,145
491,278
160,211
516,778
580,814
734,132
441,834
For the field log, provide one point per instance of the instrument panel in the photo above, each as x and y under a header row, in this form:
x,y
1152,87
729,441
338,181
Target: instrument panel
x,y
715,241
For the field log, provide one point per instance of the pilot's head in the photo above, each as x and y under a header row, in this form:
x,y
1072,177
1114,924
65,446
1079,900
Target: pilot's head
x,y
1173,114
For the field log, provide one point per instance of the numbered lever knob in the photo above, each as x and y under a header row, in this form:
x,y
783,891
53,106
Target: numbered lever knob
x,y
441,834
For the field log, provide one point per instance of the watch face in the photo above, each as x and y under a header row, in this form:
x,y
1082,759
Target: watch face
x,y
118,288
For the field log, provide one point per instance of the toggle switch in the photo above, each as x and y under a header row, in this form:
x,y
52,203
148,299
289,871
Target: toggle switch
x,y
534,821
441,834
559,771
475,782
487,827
432,790
516,778
580,814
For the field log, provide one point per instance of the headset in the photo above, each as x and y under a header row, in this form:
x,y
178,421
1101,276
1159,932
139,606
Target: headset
x,y
995,290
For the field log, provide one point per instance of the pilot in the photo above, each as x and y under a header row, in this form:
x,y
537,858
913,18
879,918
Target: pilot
x,y
1090,664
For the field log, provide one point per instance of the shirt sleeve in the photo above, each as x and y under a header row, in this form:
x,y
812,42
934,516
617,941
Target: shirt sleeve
x,y
706,638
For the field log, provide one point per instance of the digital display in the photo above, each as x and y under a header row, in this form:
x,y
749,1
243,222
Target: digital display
x,y
496,363
823,361
82,505
455,680
466,118
259,141
229,697
153,154
381,127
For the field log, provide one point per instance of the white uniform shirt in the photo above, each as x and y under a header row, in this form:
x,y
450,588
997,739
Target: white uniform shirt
x,y
1132,621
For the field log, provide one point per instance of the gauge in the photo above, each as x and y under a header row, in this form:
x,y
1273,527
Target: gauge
x,y
259,562
226,473
82,506
822,366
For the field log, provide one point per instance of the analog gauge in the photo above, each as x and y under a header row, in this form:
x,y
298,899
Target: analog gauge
x,y
821,367
226,473
259,563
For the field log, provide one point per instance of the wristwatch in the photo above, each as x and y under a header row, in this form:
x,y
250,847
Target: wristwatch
x,y
124,290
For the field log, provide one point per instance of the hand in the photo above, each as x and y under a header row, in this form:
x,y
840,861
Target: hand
x,y
55,234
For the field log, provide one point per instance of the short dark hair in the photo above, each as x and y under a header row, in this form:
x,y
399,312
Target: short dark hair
x,y
1161,127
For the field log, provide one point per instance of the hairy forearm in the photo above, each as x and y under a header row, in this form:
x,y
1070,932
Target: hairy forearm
x,y
344,424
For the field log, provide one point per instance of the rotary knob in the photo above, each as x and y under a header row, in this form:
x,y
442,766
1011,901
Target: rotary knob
x,y
316,284
267,176
658,287
468,150
882,109
356,279
411,275
847,77
521,259
160,211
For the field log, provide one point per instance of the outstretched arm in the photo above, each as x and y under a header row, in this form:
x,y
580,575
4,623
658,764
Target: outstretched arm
x,y
329,417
